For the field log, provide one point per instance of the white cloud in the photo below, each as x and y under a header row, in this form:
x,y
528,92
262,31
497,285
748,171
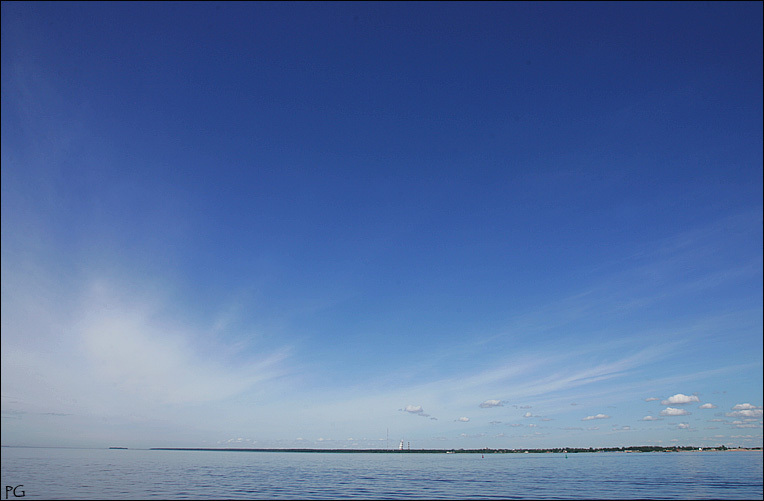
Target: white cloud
x,y
491,403
649,418
746,413
238,440
417,410
683,426
476,435
651,399
739,424
671,411
745,407
707,406
596,416
414,409
680,399
463,419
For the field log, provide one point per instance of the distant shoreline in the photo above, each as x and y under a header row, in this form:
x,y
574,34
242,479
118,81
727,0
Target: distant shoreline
x,y
636,449
557,450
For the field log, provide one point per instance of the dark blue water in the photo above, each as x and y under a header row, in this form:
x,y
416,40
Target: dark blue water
x,y
141,474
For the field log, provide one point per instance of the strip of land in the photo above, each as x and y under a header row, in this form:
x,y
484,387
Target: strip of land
x,y
569,450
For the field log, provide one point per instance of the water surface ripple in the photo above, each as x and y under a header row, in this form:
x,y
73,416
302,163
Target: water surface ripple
x,y
144,474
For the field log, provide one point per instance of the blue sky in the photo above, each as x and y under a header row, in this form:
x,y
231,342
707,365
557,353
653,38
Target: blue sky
x,y
348,224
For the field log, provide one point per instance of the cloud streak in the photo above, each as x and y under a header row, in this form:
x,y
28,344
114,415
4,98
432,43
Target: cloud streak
x,y
672,411
491,403
414,409
118,354
596,416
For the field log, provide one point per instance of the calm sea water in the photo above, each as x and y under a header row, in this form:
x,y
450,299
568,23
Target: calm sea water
x,y
143,474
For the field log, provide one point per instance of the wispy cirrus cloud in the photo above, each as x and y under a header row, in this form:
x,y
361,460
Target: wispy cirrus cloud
x,y
123,345
110,351
151,361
